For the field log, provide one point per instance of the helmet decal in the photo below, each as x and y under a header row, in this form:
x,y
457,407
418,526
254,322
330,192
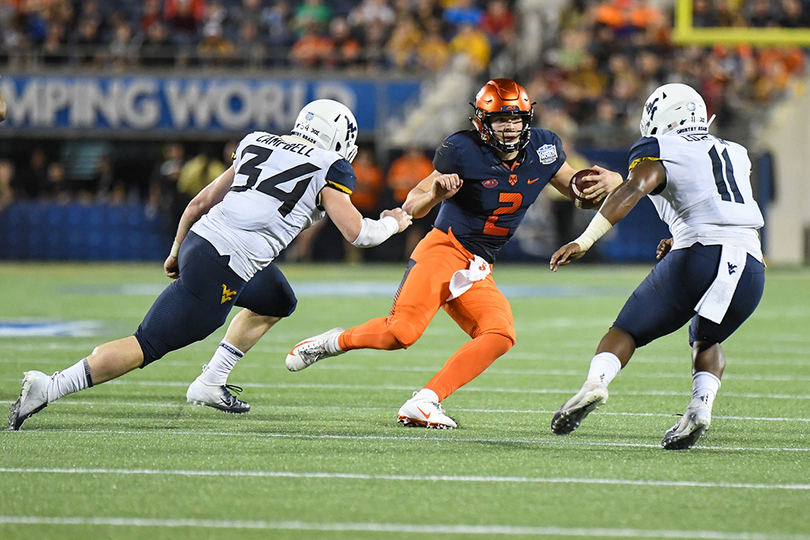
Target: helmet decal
x,y
328,125
674,107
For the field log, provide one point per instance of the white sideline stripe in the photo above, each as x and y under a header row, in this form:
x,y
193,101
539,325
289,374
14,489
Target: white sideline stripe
x,y
466,388
546,372
492,371
564,391
409,478
428,437
366,408
403,528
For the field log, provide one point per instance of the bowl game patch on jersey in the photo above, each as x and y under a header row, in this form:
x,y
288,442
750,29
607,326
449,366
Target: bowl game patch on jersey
x,y
547,154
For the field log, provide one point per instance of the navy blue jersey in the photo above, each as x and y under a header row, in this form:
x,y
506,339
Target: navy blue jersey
x,y
486,211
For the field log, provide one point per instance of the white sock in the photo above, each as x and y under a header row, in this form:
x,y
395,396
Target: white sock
x,y
221,364
70,380
427,394
704,387
331,344
604,367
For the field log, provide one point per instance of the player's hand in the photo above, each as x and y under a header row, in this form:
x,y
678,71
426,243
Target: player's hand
x,y
171,267
606,181
404,219
664,246
564,255
446,185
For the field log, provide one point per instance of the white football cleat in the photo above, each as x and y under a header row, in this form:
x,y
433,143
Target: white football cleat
x,y
33,398
311,350
218,396
421,412
573,411
694,423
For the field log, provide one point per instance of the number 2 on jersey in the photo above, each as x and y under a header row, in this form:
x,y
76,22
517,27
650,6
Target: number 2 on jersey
x,y
268,186
514,200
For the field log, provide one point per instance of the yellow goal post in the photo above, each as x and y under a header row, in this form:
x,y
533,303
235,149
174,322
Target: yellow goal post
x,y
685,34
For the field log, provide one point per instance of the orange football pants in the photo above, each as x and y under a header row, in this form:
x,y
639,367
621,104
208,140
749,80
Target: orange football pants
x,y
483,312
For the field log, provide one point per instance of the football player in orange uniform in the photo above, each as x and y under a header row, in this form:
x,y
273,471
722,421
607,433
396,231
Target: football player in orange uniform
x,y
485,180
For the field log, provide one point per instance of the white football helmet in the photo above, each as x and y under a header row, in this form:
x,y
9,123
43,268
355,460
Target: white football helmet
x,y
329,125
675,107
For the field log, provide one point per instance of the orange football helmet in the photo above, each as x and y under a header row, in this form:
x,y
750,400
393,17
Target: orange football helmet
x,y
499,98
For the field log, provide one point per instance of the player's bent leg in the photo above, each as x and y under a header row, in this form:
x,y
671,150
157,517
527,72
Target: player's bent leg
x,y
108,361
375,334
612,354
468,362
111,360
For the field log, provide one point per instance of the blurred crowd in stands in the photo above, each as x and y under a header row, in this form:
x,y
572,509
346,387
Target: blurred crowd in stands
x,y
593,70
414,35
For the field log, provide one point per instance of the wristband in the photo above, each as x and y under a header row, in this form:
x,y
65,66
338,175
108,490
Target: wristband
x,y
598,226
175,249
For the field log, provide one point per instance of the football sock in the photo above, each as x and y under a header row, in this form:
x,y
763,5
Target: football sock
x,y
221,364
371,335
468,363
704,387
71,380
427,394
604,367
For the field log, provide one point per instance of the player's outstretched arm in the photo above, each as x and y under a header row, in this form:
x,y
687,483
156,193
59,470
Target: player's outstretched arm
x,y
431,191
211,194
641,181
360,231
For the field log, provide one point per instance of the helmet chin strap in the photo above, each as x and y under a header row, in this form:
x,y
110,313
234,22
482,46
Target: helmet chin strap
x,y
709,124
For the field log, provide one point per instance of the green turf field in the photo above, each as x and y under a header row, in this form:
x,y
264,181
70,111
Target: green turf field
x,y
321,456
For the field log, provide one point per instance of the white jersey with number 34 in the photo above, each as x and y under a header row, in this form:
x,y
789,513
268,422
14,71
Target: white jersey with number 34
x,y
707,197
274,196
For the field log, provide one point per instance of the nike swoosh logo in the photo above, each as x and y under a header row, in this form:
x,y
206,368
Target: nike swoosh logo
x,y
427,415
302,343
533,181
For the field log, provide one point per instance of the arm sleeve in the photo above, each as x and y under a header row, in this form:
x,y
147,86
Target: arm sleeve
x,y
374,232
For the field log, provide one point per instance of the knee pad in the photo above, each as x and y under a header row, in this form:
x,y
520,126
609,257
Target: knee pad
x,y
504,340
404,333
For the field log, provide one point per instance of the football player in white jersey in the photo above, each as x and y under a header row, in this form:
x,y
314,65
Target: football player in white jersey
x,y
223,254
710,272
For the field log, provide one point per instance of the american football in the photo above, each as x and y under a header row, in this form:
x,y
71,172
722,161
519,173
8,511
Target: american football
x,y
578,183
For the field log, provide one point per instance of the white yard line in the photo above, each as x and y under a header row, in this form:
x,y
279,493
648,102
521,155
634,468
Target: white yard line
x,y
401,528
429,437
100,403
466,389
409,478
